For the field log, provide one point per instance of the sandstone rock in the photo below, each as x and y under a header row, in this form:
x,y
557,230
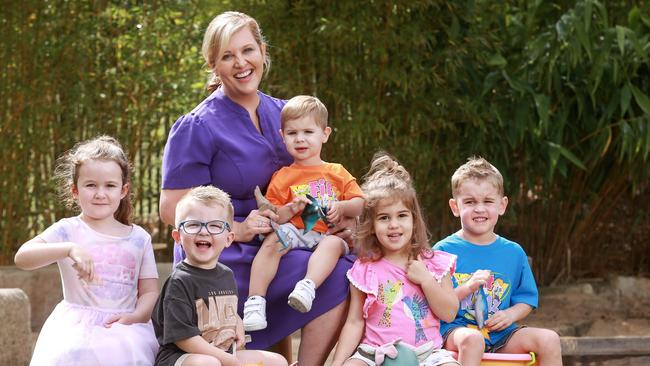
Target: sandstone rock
x,y
15,332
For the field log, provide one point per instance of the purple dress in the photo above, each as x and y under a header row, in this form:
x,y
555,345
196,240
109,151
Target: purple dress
x,y
218,144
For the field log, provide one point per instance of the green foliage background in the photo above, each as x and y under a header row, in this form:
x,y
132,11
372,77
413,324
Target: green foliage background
x,y
554,93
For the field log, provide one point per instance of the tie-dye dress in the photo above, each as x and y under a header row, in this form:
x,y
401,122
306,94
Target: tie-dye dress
x,y
74,334
395,307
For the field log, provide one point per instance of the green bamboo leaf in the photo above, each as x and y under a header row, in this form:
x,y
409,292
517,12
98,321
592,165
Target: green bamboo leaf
x,y
620,38
586,18
626,96
515,83
542,104
641,99
568,155
497,60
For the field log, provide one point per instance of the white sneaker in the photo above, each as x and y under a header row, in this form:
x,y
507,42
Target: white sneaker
x,y
254,313
303,295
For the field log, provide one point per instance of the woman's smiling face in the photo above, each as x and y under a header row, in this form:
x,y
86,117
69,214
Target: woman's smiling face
x,y
241,65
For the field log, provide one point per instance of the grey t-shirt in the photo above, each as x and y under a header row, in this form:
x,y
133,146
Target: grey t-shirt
x,y
195,301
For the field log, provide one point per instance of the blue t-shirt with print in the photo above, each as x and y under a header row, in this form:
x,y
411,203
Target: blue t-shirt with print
x,y
511,281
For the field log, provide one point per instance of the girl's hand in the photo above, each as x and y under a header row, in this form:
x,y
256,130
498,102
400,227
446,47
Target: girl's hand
x,y
499,321
126,319
83,263
479,278
255,223
417,272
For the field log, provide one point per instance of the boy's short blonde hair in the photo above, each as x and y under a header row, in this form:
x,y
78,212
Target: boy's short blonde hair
x,y
476,168
304,105
208,196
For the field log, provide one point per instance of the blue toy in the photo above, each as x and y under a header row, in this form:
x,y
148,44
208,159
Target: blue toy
x,y
312,213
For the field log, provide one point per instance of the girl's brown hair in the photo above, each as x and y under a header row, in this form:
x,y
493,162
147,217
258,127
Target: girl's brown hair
x,y
104,148
386,182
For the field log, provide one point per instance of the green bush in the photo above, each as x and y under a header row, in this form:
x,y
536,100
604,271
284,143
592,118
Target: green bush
x,y
554,94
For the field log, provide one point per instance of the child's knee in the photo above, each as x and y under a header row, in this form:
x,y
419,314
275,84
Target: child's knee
x,y
470,339
272,246
548,341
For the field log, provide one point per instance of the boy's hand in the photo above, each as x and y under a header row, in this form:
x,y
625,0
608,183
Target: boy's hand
x,y
298,204
417,272
499,321
240,337
83,263
478,279
334,211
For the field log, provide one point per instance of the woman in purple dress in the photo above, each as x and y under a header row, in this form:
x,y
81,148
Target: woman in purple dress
x,y
231,141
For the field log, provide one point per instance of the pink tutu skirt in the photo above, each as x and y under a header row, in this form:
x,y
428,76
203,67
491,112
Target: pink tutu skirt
x,y
75,335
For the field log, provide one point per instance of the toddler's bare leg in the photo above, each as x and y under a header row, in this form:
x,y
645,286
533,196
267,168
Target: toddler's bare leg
x,y
544,342
265,265
468,343
323,260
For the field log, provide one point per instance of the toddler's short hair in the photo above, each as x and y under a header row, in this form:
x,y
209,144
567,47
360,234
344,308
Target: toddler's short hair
x,y
476,168
208,196
304,105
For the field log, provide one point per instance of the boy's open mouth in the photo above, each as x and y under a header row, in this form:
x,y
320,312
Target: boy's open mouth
x,y
203,244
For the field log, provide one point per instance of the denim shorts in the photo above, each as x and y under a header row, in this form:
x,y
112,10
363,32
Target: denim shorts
x,y
494,348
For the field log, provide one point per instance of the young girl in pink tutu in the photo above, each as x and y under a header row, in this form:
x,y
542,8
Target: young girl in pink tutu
x,y
107,266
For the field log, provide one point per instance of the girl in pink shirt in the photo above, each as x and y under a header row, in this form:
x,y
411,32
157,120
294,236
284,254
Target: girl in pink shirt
x,y
401,288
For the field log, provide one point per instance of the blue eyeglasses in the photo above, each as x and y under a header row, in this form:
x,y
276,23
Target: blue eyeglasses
x,y
214,227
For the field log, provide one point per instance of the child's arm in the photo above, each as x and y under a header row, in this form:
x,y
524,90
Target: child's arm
x,y
200,346
337,209
147,296
37,253
286,212
352,330
503,318
440,295
480,277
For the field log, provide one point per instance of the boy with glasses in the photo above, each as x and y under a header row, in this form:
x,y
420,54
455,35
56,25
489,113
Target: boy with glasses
x,y
195,317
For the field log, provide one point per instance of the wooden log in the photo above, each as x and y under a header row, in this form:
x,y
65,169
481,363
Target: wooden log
x,y
606,346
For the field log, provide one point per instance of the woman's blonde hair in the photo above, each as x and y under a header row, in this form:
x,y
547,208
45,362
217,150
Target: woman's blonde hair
x,y
386,182
105,148
218,35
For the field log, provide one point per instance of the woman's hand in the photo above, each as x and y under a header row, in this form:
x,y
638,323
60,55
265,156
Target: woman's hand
x,y
255,223
346,229
83,263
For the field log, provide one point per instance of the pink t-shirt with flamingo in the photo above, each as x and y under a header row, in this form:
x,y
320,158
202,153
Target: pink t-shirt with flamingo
x,y
394,306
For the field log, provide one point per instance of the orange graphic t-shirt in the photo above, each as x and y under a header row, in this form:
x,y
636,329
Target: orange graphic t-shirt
x,y
327,182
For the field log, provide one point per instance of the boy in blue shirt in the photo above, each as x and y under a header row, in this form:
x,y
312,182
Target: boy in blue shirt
x,y
493,279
